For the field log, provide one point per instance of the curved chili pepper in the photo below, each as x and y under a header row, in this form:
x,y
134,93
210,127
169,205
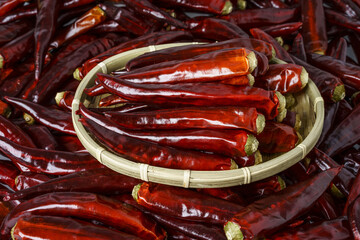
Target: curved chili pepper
x,y
333,229
14,133
184,203
88,206
348,7
64,99
341,20
8,173
208,6
195,94
191,117
349,73
40,227
337,49
189,51
151,153
52,118
298,48
19,13
354,218
253,18
345,135
49,162
109,26
102,181
330,86
96,90
280,51
270,213
146,40
331,110
11,31
281,30
41,136
111,100
13,86
27,180
70,143
7,6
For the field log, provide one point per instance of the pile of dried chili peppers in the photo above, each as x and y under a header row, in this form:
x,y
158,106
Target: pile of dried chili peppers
x,y
213,106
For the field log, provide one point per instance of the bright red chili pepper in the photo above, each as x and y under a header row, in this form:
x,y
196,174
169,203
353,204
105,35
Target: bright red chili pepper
x,y
41,136
14,133
28,179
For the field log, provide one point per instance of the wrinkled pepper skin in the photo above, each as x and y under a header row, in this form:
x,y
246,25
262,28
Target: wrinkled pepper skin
x,y
195,94
87,206
41,227
184,203
268,214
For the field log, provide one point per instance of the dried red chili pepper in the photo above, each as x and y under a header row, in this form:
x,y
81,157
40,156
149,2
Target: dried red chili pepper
x,y
28,179
184,203
314,27
348,7
96,90
208,6
146,40
40,227
277,137
349,73
8,173
344,136
196,94
88,206
67,4
298,48
107,27
19,13
330,114
52,118
151,153
13,30
44,31
327,207
337,49
333,229
268,214
253,18
353,194
251,160
285,78
267,4
13,86
344,110
49,162
17,49
14,133
191,117
189,51
64,99
226,193
281,30
7,6
70,143
111,100
41,136
102,181
341,20
280,51
354,218
331,87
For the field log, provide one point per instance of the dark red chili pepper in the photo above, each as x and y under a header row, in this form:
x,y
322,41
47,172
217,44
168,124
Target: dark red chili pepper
x,y
330,114
353,194
67,4
253,18
271,213
226,193
209,6
102,181
70,143
7,6
348,7
14,133
281,30
298,48
267,4
96,90
331,87
17,49
13,86
40,227
151,153
195,94
52,118
49,162
349,73
109,26
88,206
184,203
341,20
8,173
146,40
41,136
280,51
149,10
28,179
355,41
351,161
83,24
344,136
19,13
214,29
191,117
277,137
327,207
64,99
333,229
354,218
314,27
111,100
285,78
189,51
44,31
337,49
344,110
13,30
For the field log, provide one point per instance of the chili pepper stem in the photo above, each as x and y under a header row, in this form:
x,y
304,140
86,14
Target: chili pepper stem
x,y
251,80
28,119
228,7
252,61
58,97
320,52
290,100
282,114
353,96
1,61
6,112
304,78
258,157
12,231
241,4
339,93
300,138
297,122
251,144
232,231
135,191
76,74
282,101
276,60
280,40
281,182
336,192
260,123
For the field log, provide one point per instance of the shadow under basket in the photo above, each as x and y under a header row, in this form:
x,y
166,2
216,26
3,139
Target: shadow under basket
x,y
309,106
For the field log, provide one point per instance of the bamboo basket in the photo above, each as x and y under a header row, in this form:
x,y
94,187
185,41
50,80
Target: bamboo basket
x,y
310,106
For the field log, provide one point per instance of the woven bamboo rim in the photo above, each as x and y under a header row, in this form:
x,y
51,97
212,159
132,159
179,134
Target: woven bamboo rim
x,y
310,106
